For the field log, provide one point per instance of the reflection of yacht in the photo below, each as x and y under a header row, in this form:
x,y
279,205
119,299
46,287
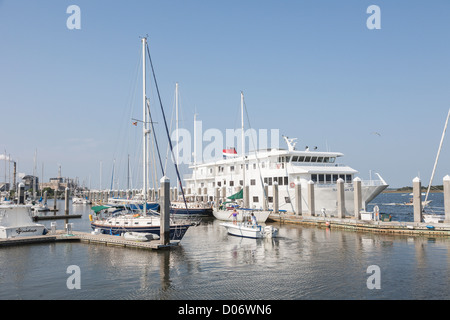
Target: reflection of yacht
x,y
16,221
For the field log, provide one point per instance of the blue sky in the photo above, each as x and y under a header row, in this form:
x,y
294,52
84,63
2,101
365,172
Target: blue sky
x,y
309,68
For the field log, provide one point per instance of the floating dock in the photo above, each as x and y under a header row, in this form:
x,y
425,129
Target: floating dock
x,y
394,227
77,236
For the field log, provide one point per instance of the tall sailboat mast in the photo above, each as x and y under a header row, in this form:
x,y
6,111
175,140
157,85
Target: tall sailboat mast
x,y
244,191
437,156
176,129
144,128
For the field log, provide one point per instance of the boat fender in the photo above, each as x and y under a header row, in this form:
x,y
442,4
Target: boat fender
x,y
90,217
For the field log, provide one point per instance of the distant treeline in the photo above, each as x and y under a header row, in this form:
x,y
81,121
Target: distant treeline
x,y
410,189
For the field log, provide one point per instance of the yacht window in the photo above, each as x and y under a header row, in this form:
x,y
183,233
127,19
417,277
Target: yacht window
x,y
219,183
266,181
280,181
255,199
286,181
287,199
231,168
335,177
270,181
326,159
275,179
263,164
342,176
294,158
137,222
348,178
332,160
307,159
313,159
252,182
270,199
314,177
301,159
321,178
319,159
241,182
288,158
254,166
328,178
231,184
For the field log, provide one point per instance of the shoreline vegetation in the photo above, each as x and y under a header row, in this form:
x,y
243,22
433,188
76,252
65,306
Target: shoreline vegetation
x,y
439,188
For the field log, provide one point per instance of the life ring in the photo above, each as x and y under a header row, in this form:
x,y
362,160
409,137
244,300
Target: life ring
x,y
292,184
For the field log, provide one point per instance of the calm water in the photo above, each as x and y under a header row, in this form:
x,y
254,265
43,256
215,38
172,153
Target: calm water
x,y
303,263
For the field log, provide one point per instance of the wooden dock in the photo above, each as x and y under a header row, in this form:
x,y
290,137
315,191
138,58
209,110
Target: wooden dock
x,y
84,237
393,227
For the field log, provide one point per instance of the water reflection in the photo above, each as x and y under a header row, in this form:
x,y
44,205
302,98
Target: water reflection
x,y
302,263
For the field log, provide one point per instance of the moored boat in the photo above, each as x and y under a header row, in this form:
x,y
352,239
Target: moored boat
x,y
248,230
16,221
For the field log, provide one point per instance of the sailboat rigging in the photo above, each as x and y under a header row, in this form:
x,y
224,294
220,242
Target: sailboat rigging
x,y
148,221
430,217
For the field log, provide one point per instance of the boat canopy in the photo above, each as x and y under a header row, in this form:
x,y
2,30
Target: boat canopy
x,y
97,209
238,195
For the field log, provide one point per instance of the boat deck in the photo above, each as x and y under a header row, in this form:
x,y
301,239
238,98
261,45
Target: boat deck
x,y
77,236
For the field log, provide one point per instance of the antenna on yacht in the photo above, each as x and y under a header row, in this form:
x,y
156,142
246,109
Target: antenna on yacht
x,y
290,143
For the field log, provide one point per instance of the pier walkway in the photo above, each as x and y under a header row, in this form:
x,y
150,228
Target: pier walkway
x,y
394,227
77,236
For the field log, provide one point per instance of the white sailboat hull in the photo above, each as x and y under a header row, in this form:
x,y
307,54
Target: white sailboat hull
x,y
250,231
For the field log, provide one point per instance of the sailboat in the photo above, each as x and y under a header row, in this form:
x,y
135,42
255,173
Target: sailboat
x,y
222,213
146,221
435,218
181,208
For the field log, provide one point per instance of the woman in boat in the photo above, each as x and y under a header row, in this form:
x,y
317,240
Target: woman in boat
x,y
234,214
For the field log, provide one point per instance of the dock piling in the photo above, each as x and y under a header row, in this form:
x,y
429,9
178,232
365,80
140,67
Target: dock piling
x,y
357,198
165,210
298,198
275,198
446,183
417,199
340,198
311,198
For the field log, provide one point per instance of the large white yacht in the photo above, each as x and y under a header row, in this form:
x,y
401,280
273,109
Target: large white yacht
x,y
286,167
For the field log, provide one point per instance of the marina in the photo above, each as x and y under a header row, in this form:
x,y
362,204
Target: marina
x,y
302,262
276,174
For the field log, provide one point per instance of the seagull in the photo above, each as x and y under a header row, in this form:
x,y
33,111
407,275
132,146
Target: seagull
x,y
378,134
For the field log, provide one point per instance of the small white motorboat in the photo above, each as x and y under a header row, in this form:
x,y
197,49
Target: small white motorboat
x,y
433,218
16,221
248,230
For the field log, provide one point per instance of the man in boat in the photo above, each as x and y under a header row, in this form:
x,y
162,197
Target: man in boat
x,y
254,222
